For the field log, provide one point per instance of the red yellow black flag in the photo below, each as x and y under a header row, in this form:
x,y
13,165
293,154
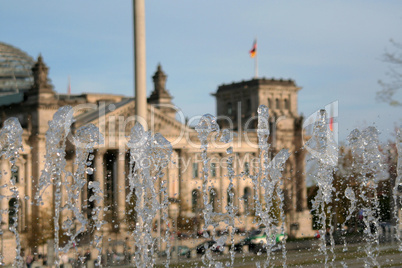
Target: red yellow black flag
x,y
253,51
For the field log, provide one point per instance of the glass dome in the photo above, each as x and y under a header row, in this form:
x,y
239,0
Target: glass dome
x,y
15,70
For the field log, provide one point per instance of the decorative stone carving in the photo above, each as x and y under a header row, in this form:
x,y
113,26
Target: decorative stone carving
x,y
40,73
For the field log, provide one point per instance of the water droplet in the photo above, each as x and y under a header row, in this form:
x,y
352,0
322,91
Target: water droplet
x,y
349,193
227,136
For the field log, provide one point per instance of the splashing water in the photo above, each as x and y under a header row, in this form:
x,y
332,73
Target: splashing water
x,y
323,155
349,194
97,197
271,173
55,164
85,139
227,137
52,175
365,149
148,156
56,135
397,190
10,144
163,151
262,133
206,126
273,184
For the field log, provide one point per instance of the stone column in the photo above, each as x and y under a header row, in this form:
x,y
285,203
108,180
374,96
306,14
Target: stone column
x,y
293,195
301,188
121,185
236,180
184,177
222,186
299,165
67,213
99,176
5,179
28,186
239,184
173,176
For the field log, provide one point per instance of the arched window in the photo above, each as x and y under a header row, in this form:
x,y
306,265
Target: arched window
x,y
231,196
12,211
213,198
248,105
15,174
269,103
213,170
131,214
110,169
195,170
90,191
277,106
246,168
247,200
229,108
286,104
195,201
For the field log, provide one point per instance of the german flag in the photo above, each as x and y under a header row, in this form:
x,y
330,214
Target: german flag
x,y
253,51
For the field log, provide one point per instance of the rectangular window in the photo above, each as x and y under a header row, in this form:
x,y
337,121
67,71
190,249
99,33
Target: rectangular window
x,y
246,168
230,110
15,174
195,170
213,170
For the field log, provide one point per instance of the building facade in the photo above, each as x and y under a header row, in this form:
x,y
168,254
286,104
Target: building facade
x,y
113,114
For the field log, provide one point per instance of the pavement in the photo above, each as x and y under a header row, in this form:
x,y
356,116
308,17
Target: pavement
x,y
388,256
299,254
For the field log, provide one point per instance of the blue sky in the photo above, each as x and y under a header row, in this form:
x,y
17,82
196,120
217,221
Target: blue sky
x,y
332,49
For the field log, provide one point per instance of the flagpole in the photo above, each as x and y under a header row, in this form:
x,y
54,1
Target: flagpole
x,y
69,87
253,54
256,66
256,62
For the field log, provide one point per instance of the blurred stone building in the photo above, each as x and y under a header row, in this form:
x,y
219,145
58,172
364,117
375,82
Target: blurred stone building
x,y
27,94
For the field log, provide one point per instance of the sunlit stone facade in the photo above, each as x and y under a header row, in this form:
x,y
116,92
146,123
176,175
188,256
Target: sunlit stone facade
x,y
113,115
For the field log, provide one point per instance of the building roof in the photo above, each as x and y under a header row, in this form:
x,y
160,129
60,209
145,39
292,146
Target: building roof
x,y
257,82
93,114
15,70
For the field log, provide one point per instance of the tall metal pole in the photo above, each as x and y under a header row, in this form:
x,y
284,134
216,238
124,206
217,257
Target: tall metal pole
x,y
140,91
256,64
140,62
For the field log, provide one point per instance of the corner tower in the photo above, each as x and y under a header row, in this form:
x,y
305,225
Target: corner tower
x,y
160,96
239,101
41,91
237,105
